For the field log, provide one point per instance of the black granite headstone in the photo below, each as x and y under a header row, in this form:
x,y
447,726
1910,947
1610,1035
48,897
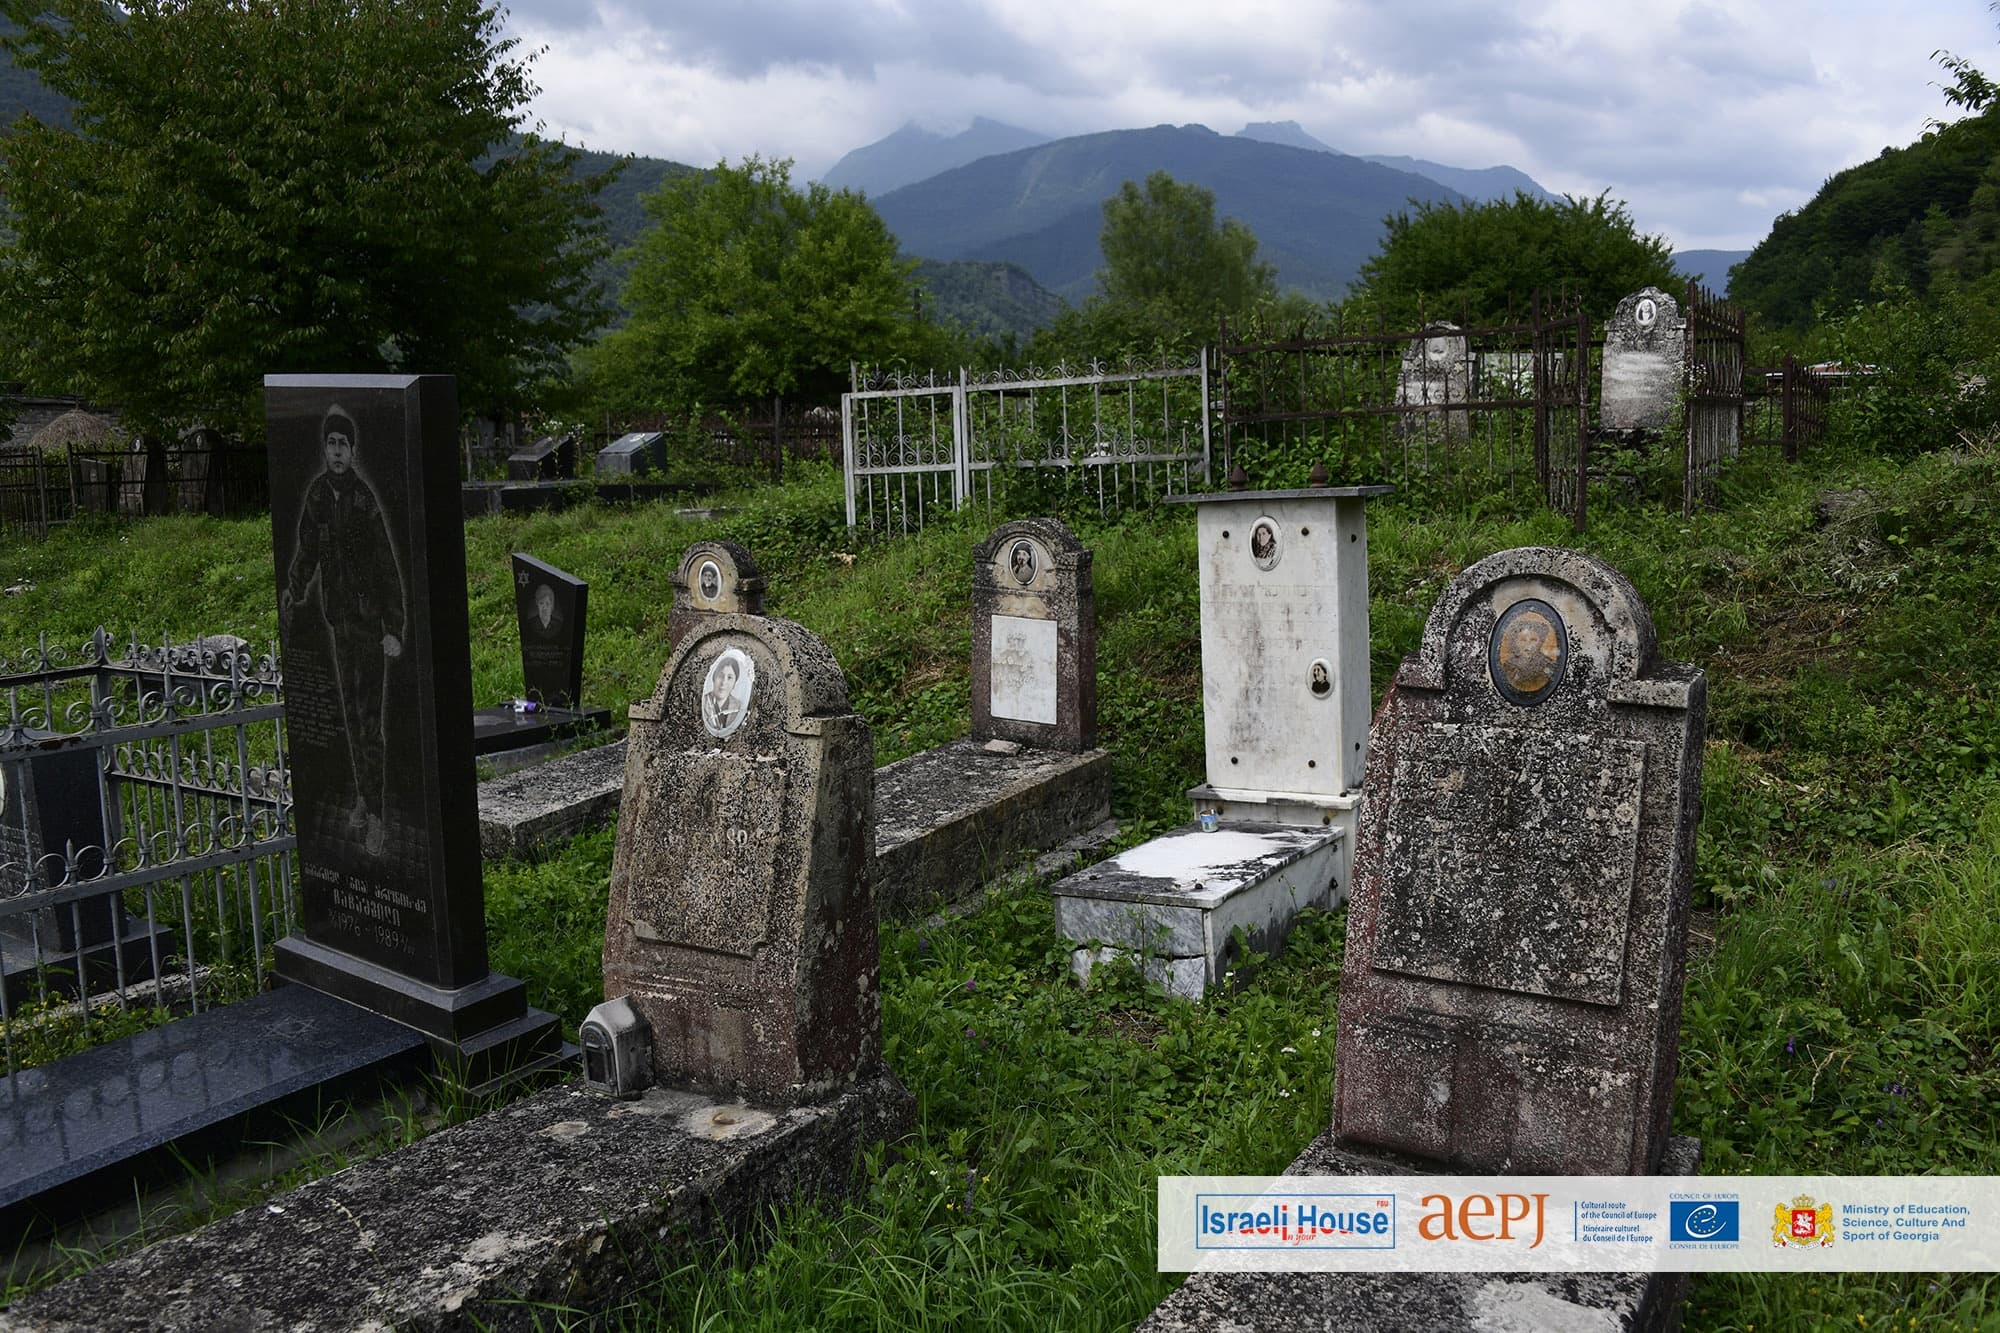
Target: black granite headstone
x,y
370,556
550,606
629,455
550,458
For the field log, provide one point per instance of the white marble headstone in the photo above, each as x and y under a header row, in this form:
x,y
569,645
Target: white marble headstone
x,y
1024,669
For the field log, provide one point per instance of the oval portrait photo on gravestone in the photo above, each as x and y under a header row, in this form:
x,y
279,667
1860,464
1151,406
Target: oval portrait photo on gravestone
x,y
1647,311
1264,551
710,580
1529,652
1021,560
1322,678
725,692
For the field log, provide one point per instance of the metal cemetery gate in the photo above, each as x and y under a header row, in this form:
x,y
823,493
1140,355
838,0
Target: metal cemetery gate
x,y
911,444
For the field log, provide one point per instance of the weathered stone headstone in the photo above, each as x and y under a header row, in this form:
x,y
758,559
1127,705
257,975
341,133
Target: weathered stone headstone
x,y
1034,637
742,914
549,458
629,455
1645,357
370,554
1510,998
1436,378
551,607
143,486
714,578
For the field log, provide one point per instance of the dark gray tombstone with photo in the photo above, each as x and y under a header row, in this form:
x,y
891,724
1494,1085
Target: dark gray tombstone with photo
x,y
1034,638
714,578
628,455
549,458
742,915
1645,356
550,607
1510,998
370,555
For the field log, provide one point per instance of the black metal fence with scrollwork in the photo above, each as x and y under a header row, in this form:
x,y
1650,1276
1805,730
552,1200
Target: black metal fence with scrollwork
x,y
146,835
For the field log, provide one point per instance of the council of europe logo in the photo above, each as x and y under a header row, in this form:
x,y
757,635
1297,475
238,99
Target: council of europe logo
x,y
1714,1220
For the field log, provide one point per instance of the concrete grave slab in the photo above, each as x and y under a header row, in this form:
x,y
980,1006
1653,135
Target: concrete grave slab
x,y
551,802
1176,902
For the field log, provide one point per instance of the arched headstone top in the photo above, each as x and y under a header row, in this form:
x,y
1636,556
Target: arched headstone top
x,y
786,675
1564,606
1647,312
720,576
1026,554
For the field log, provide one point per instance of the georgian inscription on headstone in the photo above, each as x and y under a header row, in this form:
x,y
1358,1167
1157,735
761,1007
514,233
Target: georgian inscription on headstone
x,y
714,578
1510,998
1436,378
742,915
1645,354
551,607
370,559
1034,637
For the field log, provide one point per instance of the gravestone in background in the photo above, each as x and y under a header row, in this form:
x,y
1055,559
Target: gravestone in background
x,y
1436,376
714,578
549,458
1510,998
550,607
370,554
742,914
1034,638
1645,356
629,455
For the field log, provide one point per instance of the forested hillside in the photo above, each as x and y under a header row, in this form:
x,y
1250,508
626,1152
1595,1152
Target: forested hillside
x,y
1917,217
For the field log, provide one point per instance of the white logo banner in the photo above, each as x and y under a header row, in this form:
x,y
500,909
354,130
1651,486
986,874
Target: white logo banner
x,y
1552,1224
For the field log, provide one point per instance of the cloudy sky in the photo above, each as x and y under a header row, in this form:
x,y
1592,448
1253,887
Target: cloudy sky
x,y
1708,119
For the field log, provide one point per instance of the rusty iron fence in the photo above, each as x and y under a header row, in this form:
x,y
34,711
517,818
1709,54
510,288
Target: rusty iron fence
x,y
1713,394
1469,409
1122,434
147,848
40,491
1785,407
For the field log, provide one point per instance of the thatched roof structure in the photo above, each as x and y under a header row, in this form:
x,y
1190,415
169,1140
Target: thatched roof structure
x,y
85,430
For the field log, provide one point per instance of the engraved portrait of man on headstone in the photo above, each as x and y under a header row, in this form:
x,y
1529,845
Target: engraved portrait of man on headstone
x,y
344,556
1023,563
725,692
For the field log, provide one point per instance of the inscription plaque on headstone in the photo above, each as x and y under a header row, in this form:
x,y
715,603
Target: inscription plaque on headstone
x,y
714,578
1510,997
742,915
1034,637
370,556
1645,352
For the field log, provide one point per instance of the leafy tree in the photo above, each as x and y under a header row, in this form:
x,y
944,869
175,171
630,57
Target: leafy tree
x,y
1169,267
1478,261
254,186
743,287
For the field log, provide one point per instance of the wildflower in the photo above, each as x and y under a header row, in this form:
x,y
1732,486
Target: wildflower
x,y
969,1034
1791,1045
971,984
1284,1092
1288,1050
1315,1032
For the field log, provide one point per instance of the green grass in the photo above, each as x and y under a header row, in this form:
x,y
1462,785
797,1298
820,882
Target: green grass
x,y
1842,1008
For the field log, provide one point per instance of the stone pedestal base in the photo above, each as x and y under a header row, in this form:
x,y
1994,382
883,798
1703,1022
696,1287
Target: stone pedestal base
x,y
104,965
1434,1302
1276,807
566,1199
1178,900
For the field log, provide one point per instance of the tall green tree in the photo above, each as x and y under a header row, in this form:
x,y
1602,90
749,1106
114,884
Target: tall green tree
x,y
253,186
1169,261
743,286
1478,261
